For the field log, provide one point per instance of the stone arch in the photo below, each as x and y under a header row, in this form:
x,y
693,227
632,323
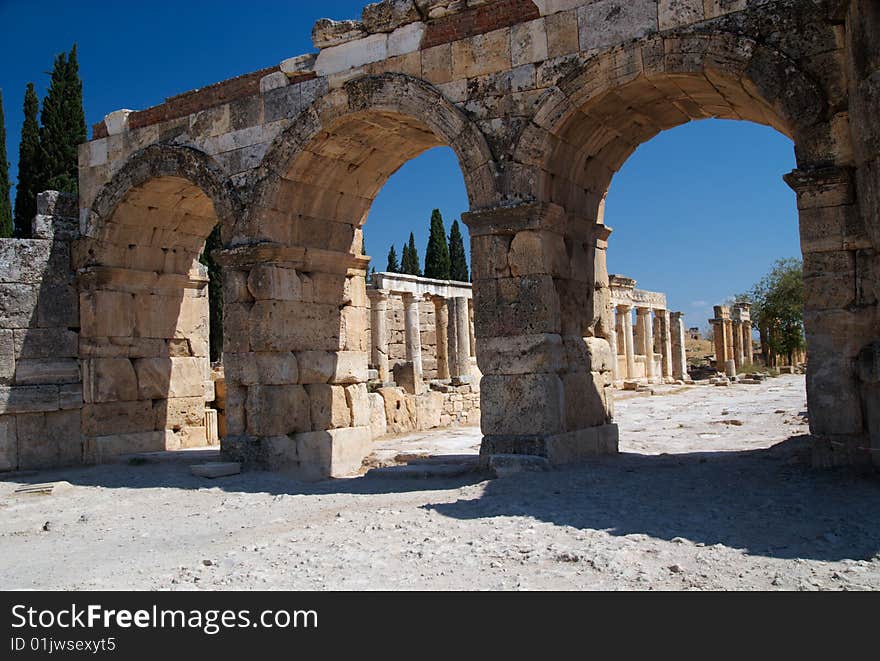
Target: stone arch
x,y
595,117
144,302
403,115
296,269
547,248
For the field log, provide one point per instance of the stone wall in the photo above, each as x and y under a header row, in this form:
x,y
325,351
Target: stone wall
x,y
41,395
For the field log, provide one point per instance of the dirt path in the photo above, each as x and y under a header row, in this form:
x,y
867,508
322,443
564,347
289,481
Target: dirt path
x,y
710,493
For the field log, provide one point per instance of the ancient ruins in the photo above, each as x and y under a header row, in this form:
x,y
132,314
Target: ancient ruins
x,y
542,101
732,332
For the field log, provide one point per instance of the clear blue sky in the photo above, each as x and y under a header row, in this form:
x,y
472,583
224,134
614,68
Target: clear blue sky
x,y
700,212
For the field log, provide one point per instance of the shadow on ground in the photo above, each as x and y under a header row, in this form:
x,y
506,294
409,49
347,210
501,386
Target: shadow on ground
x,y
767,502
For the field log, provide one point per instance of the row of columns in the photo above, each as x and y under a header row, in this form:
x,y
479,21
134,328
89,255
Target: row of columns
x,y
666,330
454,335
733,337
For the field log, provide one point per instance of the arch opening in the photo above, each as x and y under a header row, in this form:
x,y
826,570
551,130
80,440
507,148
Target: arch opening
x,y
297,293
145,331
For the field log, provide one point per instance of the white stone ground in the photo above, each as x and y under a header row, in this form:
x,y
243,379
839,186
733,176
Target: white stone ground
x,y
696,502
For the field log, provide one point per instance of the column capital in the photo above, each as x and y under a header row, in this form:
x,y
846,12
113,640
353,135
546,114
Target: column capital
x,y
643,311
380,295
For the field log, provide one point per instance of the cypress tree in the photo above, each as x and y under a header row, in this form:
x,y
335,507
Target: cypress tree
x,y
5,204
404,259
28,165
63,126
393,265
457,255
413,264
215,293
437,264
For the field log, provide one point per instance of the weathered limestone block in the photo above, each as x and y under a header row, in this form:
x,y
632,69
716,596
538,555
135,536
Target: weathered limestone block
x,y
327,32
333,453
8,444
272,282
42,343
28,399
163,378
317,327
521,354
351,55
236,412
277,410
527,305
107,314
378,421
400,410
607,22
46,371
673,13
109,380
7,356
57,305
522,405
429,407
586,399
389,15
18,305
329,406
576,446
49,440
590,354
359,404
339,367
434,9
110,418
528,42
102,449
177,413
537,253
355,328
481,54
187,438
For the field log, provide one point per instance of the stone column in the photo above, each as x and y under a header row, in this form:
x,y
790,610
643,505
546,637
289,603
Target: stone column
x,y
666,343
379,332
459,312
748,348
541,329
472,336
737,343
647,334
719,328
612,340
413,337
629,341
441,323
679,352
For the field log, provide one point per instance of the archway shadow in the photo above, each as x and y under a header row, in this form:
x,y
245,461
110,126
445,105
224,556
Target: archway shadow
x,y
766,502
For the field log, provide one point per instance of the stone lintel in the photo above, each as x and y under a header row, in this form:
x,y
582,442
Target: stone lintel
x,y
403,283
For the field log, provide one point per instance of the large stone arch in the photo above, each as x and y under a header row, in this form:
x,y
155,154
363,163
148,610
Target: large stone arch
x,y
547,247
296,295
144,301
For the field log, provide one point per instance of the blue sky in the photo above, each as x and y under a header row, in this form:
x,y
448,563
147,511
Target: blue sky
x,y
700,212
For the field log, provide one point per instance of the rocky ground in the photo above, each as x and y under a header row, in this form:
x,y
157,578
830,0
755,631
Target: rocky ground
x,y
713,491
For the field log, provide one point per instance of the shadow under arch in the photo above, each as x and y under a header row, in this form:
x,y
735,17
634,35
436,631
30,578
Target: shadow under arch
x,y
144,340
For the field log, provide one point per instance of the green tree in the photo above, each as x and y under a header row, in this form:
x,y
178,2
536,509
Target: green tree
x,y
63,126
437,264
5,204
411,263
457,255
778,310
393,264
215,293
28,165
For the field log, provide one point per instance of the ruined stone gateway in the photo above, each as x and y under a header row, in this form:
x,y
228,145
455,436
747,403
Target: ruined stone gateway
x,y
542,102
